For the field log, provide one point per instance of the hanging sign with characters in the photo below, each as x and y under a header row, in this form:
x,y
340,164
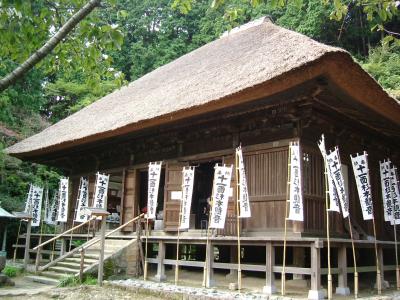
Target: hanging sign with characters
x,y
221,193
361,174
83,201
187,192
37,196
153,185
335,168
244,200
51,218
100,194
333,195
28,203
296,194
384,168
395,195
63,200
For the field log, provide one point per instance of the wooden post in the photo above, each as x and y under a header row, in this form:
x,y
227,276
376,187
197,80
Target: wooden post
x,y
160,276
316,293
102,244
82,264
27,243
269,287
283,275
378,269
342,288
63,243
239,272
16,243
37,261
145,253
384,283
209,278
3,245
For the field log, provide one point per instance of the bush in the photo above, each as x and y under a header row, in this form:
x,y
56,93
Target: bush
x,y
11,271
90,280
69,281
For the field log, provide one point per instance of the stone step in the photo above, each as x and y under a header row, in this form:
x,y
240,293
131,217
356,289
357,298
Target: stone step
x,y
72,265
77,260
53,275
43,279
63,270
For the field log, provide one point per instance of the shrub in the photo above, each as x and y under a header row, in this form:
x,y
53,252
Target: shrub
x,y
69,281
11,271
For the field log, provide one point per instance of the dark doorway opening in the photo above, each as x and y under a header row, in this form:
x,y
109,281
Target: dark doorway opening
x,y
203,181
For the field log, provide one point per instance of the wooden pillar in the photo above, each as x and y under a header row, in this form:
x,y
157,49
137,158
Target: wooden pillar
x,y
342,288
298,260
160,276
210,282
385,284
3,245
269,287
27,243
63,248
102,244
233,260
316,292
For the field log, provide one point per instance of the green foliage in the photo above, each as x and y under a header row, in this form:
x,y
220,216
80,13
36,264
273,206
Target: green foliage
x,y
77,243
11,271
383,64
69,281
109,268
89,280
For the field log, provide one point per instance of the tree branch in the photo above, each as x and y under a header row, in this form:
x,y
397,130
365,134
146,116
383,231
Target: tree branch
x,y
36,57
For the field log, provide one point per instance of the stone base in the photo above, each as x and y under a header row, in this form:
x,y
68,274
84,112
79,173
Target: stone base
x,y
385,284
316,294
233,286
160,278
269,290
210,284
345,291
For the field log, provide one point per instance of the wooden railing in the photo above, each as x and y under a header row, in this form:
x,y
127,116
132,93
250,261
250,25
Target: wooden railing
x,y
78,249
83,248
39,247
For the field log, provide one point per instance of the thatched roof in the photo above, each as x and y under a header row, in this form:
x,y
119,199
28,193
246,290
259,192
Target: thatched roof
x,y
213,76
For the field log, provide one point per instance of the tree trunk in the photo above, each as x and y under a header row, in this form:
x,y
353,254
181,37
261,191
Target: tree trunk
x,y
36,57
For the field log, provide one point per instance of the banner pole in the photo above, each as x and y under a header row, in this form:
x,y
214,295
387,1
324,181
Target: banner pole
x,y
239,274
327,233
177,242
75,213
354,260
283,275
205,269
145,255
378,271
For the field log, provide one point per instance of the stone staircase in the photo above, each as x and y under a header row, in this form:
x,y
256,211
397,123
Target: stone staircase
x,y
70,266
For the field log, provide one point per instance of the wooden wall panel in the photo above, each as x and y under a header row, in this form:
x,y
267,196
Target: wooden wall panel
x,y
130,198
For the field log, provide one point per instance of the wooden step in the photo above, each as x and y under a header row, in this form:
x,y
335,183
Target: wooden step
x,y
77,259
53,275
43,279
72,265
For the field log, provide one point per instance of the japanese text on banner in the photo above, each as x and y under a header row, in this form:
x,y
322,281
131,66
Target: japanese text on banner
x,y
153,185
384,168
244,200
333,195
83,201
361,174
221,191
28,203
335,168
51,218
395,196
187,192
63,201
296,194
37,196
100,194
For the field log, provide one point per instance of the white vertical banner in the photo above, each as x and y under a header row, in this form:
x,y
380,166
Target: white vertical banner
x,y
335,168
220,197
296,188
37,196
51,218
361,174
153,186
83,201
395,195
28,202
46,205
333,195
384,168
63,200
187,193
100,193
244,200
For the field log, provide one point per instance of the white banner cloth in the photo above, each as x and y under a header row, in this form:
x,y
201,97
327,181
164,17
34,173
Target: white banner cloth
x,y
296,189
384,168
100,194
37,197
187,193
83,201
63,200
153,186
244,200
220,197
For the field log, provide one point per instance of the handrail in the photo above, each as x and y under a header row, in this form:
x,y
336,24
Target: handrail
x,y
86,245
62,234
111,232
